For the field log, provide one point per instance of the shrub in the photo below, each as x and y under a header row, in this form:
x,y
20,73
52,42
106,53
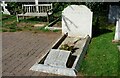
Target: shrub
x,y
14,7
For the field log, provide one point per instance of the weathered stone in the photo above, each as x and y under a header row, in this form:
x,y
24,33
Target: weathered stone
x,y
57,58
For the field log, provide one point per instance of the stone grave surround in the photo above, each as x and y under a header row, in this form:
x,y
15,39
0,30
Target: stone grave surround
x,y
77,21
5,11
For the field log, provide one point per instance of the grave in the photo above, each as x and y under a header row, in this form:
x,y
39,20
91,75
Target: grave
x,y
117,32
5,11
66,55
114,13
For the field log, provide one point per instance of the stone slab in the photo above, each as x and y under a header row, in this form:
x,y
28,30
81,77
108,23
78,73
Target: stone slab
x,y
53,70
57,58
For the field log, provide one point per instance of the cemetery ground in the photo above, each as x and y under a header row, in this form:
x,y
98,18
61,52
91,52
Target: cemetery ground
x,y
10,25
101,60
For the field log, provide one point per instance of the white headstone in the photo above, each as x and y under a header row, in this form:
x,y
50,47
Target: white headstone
x,y
5,11
117,31
77,21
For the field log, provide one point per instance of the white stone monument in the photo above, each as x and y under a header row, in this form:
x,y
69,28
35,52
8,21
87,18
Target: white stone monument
x,y
5,11
77,21
117,31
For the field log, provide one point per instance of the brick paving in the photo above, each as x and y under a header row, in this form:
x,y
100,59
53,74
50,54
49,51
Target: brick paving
x,y
21,50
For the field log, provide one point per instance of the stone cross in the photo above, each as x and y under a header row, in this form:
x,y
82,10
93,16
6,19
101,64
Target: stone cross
x,y
5,11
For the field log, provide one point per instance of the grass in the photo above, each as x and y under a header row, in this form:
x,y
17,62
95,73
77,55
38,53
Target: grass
x,y
41,28
9,24
101,58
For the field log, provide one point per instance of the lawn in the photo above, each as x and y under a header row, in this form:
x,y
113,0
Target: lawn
x,y
102,57
9,24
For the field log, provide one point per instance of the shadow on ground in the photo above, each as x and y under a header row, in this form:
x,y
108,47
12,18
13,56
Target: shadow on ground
x,y
35,19
98,32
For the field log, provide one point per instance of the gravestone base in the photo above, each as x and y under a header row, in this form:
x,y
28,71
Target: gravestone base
x,y
53,70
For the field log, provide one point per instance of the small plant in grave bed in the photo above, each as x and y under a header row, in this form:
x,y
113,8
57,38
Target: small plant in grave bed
x,y
66,47
70,46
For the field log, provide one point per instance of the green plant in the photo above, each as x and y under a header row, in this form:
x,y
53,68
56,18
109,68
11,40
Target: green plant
x,y
43,29
55,30
19,29
46,30
66,47
14,7
4,30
